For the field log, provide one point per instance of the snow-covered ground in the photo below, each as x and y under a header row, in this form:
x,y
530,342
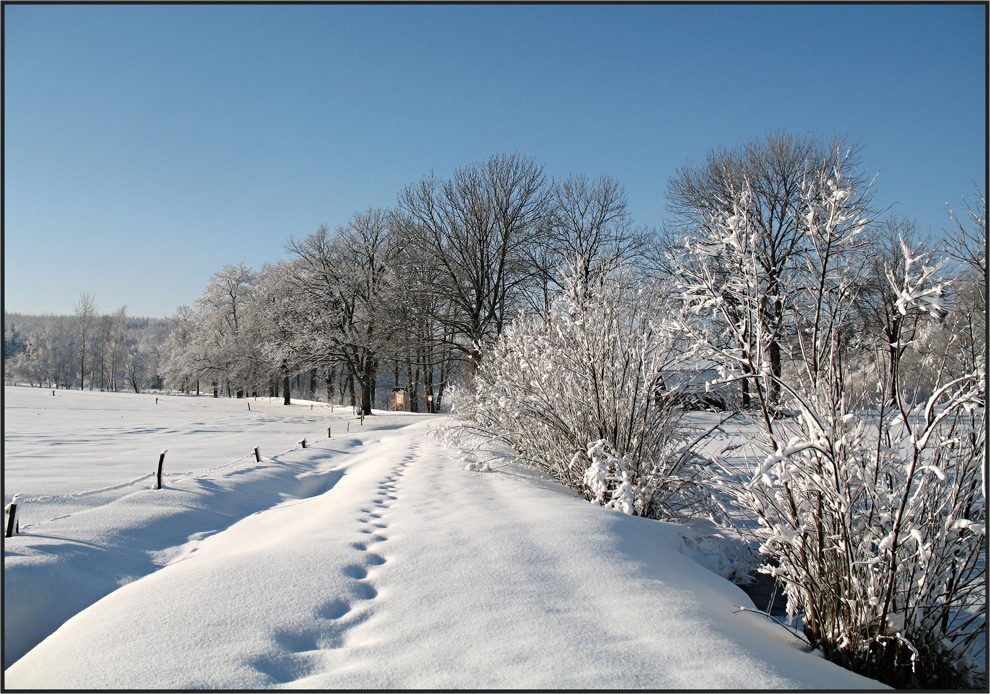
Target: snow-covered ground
x,y
372,559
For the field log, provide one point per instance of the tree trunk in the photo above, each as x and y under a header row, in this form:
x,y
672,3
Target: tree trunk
x,y
368,380
331,377
286,400
412,381
773,388
366,395
428,384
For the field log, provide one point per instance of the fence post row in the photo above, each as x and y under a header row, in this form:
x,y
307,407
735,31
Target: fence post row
x,y
13,524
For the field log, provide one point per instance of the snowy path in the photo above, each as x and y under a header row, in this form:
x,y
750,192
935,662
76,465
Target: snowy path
x,y
402,569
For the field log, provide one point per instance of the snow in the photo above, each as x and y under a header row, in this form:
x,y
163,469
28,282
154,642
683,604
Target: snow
x,y
373,559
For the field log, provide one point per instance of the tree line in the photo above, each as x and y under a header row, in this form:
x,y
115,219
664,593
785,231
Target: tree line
x,y
414,294
111,351
410,295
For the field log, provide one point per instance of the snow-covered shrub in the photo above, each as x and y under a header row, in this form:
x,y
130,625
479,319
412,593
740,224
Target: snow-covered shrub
x,y
874,519
580,395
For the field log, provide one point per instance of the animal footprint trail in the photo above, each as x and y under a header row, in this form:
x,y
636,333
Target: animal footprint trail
x,y
304,651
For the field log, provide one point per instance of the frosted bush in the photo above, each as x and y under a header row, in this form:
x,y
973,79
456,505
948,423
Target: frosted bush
x,y
580,395
875,520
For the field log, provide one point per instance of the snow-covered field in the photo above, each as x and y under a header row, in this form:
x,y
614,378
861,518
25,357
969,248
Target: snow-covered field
x,y
372,559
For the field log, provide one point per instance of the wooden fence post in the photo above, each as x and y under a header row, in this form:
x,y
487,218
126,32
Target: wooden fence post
x,y
161,463
303,443
257,455
13,525
329,435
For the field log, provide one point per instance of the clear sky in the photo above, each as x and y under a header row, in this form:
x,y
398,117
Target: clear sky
x,y
147,146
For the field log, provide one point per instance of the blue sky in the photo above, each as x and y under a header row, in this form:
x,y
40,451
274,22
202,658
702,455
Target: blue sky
x,y
145,147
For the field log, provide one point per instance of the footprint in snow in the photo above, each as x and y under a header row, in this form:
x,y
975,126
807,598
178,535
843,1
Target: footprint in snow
x,y
355,571
335,609
364,591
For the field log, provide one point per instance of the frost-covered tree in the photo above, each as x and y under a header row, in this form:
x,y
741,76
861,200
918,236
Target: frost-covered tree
x,y
873,521
580,394
48,355
176,369
221,349
880,320
966,246
14,348
273,307
114,348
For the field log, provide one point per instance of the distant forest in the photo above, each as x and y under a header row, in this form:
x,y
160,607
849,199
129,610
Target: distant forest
x,y
99,352
123,353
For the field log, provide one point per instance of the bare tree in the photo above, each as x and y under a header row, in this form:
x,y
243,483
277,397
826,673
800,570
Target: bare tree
x,y
476,231
85,313
967,246
588,230
773,171
418,337
340,281
876,300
